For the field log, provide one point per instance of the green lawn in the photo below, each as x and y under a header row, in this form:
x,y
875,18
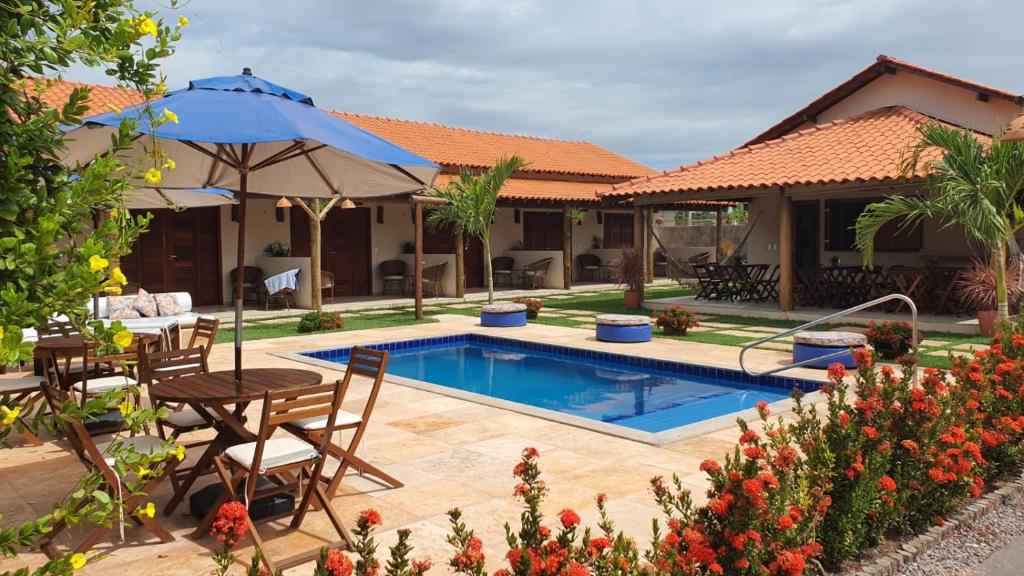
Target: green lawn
x,y
257,330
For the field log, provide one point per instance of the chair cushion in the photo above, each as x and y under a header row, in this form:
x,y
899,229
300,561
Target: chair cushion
x,y
188,418
502,271
276,452
394,277
622,320
168,305
145,303
835,339
145,444
106,383
23,384
320,422
503,308
122,307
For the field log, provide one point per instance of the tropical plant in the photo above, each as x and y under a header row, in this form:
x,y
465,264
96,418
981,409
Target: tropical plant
x,y
675,319
277,248
630,270
577,215
470,204
320,321
891,338
968,183
976,288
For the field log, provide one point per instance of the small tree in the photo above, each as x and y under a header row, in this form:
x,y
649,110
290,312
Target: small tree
x,y
471,202
316,210
970,184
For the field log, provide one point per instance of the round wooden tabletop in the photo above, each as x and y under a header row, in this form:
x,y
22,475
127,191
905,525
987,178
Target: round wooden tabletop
x,y
75,342
220,388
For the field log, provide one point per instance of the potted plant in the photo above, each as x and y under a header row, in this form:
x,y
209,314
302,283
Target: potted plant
x,y
595,243
976,289
675,320
891,339
629,272
533,306
408,247
577,215
277,249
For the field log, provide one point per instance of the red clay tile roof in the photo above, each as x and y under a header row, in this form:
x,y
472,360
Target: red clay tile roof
x,y
478,149
882,65
532,189
866,148
58,92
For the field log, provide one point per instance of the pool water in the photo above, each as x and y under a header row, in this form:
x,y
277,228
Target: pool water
x,y
646,395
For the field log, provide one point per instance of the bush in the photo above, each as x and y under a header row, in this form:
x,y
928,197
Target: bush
x,y
320,321
533,306
675,319
891,339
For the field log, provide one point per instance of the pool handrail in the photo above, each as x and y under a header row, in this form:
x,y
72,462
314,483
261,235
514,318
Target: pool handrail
x,y
826,319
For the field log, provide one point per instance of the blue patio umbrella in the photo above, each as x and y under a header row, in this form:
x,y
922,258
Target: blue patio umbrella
x,y
249,136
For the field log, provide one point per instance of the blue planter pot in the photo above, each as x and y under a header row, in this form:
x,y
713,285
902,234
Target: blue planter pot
x,y
503,319
802,352
612,333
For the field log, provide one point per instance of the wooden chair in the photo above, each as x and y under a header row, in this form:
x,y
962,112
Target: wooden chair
x,y
502,270
252,280
327,283
97,457
24,392
122,372
432,280
281,458
590,267
204,333
392,273
536,273
362,362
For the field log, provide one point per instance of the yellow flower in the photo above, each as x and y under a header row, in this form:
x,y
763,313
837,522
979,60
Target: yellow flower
x,y
112,290
154,176
180,452
113,108
145,25
143,472
1,332
170,165
123,338
160,88
77,560
171,116
149,510
117,276
10,414
113,213
126,408
182,21
97,263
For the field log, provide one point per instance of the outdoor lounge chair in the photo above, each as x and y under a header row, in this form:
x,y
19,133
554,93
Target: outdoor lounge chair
x,y
432,280
327,283
95,457
392,273
536,274
502,270
590,267
362,362
241,466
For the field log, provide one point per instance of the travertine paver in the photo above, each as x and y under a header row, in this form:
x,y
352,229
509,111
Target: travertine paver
x,y
279,321
720,325
463,305
745,333
449,452
967,347
582,318
381,312
934,343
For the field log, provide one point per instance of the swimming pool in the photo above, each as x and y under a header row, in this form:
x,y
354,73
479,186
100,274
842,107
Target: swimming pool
x,y
643,394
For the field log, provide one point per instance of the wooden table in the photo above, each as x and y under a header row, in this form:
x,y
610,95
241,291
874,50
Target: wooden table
x,y
70,347
215,391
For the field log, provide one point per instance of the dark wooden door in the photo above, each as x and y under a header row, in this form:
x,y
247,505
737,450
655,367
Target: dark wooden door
x,y
179,253
474,263
344,247
805,234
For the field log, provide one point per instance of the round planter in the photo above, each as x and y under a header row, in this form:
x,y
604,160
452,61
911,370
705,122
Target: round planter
x,y
890,353
631,299
503,315
987,322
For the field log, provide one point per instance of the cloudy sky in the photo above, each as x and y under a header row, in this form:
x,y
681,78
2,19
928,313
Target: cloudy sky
x,y
664,82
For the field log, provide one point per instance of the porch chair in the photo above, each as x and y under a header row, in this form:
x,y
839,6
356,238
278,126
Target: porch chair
x,y
501,271
536,273
242,465
158,367
432,280
204,333
392,273
705,285
96,457
590,267
122,373
25,392
252,279
327,283
362,362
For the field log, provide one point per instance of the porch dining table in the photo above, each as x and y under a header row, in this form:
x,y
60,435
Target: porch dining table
x,y
216,392
64,349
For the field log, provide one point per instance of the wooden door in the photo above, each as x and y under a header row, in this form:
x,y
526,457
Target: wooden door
x,y
805,234
179,253
473,260
344,247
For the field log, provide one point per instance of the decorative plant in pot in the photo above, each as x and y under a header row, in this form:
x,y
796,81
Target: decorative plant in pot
x,y
891,339
675,320
533,306
976,290
629,272
277,249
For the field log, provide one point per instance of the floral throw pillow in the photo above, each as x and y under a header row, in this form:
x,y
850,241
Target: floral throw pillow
x,y
168,305
121,307
145,303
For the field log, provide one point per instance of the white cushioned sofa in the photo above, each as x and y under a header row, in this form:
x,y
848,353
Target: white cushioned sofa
x,y
144,324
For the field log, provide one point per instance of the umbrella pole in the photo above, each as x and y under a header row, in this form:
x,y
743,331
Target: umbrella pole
x,y
240,273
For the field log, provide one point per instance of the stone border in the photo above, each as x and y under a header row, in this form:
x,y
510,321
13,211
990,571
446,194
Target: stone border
x,y
890,563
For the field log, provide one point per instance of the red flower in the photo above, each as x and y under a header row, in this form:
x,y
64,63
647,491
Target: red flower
x,y
870,432
721,504
836,371
531,452
569,518
576,569
754,452
887,483
598,545
791,562
338,564
421,565
748,437
785,523
844,418
369,518
710,466
753,487
762,409
231,524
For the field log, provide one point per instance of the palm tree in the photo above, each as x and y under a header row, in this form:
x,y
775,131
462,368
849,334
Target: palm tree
x,y
968,184
471,202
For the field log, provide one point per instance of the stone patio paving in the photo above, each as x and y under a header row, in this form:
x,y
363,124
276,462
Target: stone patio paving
x,y
449,452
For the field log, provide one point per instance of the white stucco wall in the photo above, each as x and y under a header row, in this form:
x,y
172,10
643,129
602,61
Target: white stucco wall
x,y
261,228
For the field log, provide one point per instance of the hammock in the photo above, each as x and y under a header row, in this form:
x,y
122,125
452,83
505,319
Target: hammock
x,y
679,266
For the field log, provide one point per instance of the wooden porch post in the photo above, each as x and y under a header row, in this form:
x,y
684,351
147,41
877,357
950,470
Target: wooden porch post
x,y
566,247
418,211
460,265
649,247
638,237
718,234
316,215
785,251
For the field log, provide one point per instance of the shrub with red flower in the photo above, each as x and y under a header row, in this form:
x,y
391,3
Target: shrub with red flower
x,y
231,523
891,339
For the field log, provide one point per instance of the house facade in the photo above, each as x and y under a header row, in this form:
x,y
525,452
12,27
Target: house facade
x,y
808,177
531,222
